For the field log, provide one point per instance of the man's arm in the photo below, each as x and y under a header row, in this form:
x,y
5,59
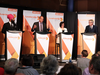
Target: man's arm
x,y
4,29
33,27
96,30
46,29
86,30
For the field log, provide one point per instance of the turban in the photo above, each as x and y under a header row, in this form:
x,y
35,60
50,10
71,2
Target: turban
x,y
10,16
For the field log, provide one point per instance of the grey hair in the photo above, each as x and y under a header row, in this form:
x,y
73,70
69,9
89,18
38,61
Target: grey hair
x,y
49,64
11,66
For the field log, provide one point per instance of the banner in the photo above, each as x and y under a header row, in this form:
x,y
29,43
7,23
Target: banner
x,y
3,19
29,17
83,21
67,46
14,39
53,21
42,43
89,43
3,15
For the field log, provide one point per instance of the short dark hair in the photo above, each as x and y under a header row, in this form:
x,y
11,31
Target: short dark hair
x,y
84,53
27,60
95,61
69,69
61,23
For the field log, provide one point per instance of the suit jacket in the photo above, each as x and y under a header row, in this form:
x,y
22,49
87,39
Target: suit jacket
x,y
7,27
93,30
37,29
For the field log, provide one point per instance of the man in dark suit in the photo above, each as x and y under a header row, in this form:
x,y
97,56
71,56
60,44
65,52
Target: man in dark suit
x,y
91,28
39,26
9,25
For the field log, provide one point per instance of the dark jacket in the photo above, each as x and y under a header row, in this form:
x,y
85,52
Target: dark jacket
x,y
93,30
7,27
37,29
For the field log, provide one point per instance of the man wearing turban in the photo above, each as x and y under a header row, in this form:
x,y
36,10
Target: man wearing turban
x,y
9,25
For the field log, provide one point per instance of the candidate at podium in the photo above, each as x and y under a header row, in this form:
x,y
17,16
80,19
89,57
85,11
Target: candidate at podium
x,y
39,26
60,30
91,28
9,25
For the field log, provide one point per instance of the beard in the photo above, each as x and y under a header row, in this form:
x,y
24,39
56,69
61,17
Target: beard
x,y
13,21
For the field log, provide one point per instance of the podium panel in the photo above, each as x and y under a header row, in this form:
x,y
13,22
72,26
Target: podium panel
x,y
66,46
89,43
42,43
14,39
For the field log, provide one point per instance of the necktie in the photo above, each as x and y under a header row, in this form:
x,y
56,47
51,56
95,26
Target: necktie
x,y
41,27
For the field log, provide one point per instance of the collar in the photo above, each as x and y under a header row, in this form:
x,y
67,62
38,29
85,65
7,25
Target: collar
x,y
40,23
91,26
26,67
10,22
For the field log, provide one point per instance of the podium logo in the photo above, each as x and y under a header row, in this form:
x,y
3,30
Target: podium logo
x,y
14,37
46,38
61,19
68,39
92,39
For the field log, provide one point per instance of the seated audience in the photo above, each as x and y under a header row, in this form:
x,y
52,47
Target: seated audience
x,y
83,62
86,71
70,69
1,71
49,65
94,65
27,66
11,66
80,71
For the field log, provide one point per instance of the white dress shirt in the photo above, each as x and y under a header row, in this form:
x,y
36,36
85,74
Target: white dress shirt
x,y
40,26
11,24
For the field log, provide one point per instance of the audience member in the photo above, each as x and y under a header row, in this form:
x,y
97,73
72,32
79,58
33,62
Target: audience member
x,y
69,69
49,65
94,65
86,71
27,66
98,53
83,62
11,66
1,71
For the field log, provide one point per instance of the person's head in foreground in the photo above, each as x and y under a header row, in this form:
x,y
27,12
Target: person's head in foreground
x,y
41,19
11,18
27,60
62,24
91,22
49,65
69,69
11,66
98,53
94,65
84,53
